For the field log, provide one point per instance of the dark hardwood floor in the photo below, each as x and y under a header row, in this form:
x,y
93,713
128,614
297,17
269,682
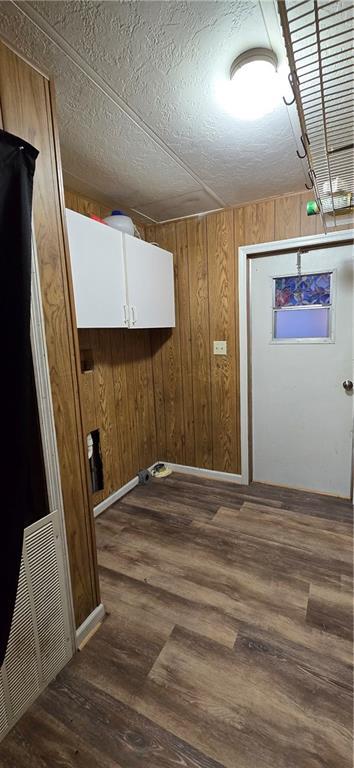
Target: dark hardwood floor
x,y
227,641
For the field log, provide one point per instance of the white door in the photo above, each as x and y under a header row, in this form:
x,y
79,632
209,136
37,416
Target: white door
x,y
97,263
302,352
150,284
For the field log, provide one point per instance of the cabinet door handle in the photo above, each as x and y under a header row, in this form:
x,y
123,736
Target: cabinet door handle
x,y
133,311
126,314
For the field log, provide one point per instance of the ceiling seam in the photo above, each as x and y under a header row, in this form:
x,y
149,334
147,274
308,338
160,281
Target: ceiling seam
x,y
145,215
55,37
111,202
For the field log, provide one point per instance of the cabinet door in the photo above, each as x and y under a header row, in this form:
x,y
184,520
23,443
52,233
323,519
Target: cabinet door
x,y
150,284
97,263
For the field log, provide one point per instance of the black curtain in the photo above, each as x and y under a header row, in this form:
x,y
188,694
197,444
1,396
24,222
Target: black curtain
x,y
17,166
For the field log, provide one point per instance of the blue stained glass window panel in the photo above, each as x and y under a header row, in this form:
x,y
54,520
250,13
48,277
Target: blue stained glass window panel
x,y
302,324
301,290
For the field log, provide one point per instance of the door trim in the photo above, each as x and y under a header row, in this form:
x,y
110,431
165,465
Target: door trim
x,y
245,254
47,425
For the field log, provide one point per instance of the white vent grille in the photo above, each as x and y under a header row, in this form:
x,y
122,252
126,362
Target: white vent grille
x,y
21,666
48,602
39,643
3,716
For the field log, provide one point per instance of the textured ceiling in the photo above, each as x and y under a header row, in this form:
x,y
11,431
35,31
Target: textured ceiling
x,y
138,118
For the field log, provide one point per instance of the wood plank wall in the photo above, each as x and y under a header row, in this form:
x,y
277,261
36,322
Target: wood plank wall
x,y
197,393
27,111
196,416
118,393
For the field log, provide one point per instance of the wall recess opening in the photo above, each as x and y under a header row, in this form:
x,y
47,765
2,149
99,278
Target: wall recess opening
x,y
86,359
95,460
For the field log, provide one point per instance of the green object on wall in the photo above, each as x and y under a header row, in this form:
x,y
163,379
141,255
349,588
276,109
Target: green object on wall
x,y
312,208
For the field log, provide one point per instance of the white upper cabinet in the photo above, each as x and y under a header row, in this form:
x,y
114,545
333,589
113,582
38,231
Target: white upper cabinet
x,y
119,281
97,264
150,284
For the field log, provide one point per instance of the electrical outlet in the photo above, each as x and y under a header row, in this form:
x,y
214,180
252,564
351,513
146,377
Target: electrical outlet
x,y
220,348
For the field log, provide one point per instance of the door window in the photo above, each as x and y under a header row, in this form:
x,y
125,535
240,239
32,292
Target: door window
x,y
302,307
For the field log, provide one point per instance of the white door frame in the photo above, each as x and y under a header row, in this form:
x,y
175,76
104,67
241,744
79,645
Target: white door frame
x,y
245,254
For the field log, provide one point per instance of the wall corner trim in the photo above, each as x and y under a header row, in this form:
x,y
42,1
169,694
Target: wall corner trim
x,y
89,625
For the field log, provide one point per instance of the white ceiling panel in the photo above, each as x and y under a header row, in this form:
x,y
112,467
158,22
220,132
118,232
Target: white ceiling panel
x,y
136,100
186,205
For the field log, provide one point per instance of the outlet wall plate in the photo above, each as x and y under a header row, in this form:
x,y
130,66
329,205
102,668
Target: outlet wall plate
x,y
220,347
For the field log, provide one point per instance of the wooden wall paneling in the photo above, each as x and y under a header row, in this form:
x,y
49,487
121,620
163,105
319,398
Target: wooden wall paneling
x,y
287,217
199,309
75,356
141,402
105,408
127,448
148,384
309,225
88,207
87,385
239,227
71,200
136,409
253,223
105,210
196,419
131,361
222,303
157,338
172,362
259,222
25,100
185,331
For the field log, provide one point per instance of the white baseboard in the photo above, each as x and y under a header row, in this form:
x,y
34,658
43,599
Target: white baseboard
x,y
212,473
115,496
87,626
99,508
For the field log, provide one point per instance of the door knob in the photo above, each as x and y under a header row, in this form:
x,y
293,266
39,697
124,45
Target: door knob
x,y
348,385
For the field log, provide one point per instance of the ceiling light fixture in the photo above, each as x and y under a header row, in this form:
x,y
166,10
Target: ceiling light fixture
x,y
253,77
253,89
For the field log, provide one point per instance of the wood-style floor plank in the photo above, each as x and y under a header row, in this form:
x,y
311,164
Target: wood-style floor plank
x,y
208,581
118,730
331,609
170,606
41,740
227,641
288,528
262,711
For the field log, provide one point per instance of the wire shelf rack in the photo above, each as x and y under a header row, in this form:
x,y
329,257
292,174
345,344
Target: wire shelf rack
x,y
319,39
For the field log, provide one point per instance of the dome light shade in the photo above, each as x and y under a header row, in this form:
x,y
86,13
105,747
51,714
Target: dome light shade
x,y
253,89
254,54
